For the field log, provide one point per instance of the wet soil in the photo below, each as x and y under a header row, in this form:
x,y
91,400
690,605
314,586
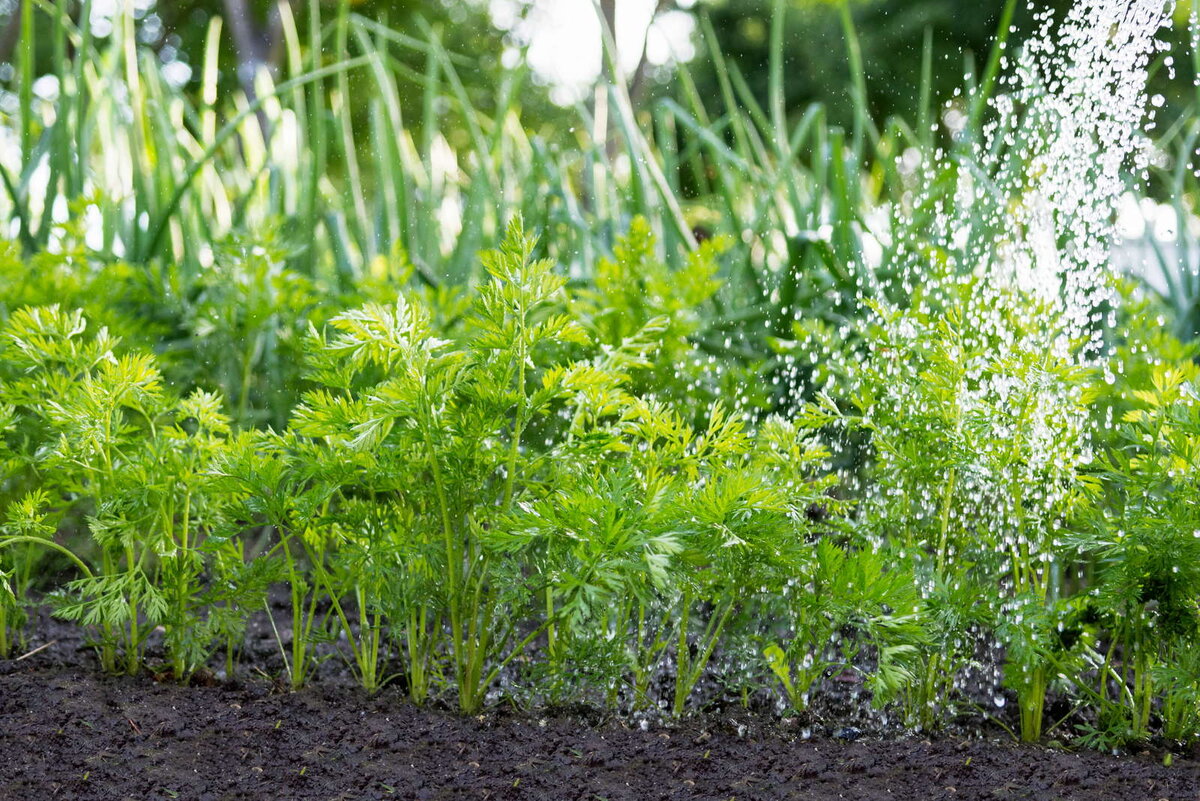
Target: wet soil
x,y
68,732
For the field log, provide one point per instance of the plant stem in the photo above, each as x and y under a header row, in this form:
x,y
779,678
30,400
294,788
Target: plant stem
x,y
1033,697
690,671
519,416
298,667
944,521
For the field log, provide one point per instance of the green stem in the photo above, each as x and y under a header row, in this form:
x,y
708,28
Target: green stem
x,y
858,76
421,644
26,61
108,652
83,568
712,635
933,671
519,419
4,644
944,522
479,645
415,669
278,640
641,674
296,587
495,672
453,559
682,654
183,587
133,655
551,638
1033,704
1143,683
992,71
370,660
360,646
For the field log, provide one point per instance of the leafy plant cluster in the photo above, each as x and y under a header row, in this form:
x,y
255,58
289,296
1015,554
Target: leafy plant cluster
x,y
454,500
1041,508
524,486
506,490
763,454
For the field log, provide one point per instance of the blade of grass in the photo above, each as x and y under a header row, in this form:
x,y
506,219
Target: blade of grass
x,y
640,148
26,59
992,70
230,128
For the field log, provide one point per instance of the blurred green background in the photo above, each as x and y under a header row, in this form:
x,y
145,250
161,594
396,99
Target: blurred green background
x,y
892,35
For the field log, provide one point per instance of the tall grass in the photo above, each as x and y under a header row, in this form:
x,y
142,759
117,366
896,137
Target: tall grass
x,y
327,146
1177,260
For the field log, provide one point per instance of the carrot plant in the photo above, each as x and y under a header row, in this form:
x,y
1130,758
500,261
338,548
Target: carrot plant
x,y
175,510
845,602
267,487
242,326
89,408
10,613
977,421
133,465
635,287
745,526
28,522
659,535
429,438
437,430
603,545
1145,548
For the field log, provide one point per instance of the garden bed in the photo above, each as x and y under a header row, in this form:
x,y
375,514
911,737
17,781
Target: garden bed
x,y
69,732
702,447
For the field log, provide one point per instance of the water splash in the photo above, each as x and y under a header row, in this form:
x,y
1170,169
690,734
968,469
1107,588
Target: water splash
x,y
972,385
1079,90
1009,282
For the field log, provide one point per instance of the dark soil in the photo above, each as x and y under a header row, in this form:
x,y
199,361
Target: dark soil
x,y
68,732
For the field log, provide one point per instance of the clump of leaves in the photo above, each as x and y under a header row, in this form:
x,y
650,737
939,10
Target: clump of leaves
x,y
27,524
689,371
976,414
436,434
844,602
242,321
658,534
125,300
274,482
1144,543
114,448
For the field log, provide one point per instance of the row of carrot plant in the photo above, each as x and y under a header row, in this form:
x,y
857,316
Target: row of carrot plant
x,y
553,484
704,434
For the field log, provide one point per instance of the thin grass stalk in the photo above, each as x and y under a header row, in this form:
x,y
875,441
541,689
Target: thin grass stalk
x,y
26,58
641,149
925,111
361,224
992,71
392,162
721,67
315,144
863,126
